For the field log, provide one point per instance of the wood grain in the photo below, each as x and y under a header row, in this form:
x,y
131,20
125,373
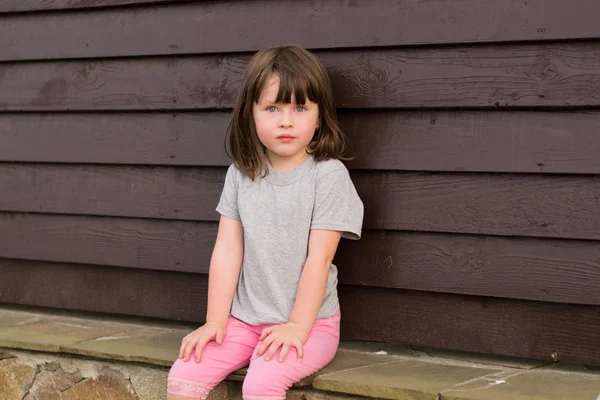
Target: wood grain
x,y
242,26
115,138
554,206
479,324
562,271
485,325
565,271
148,192
550,75
15,6
147,244
494,204
483,141
125,291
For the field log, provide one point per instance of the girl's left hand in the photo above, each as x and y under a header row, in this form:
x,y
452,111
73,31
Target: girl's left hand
x,y
284,336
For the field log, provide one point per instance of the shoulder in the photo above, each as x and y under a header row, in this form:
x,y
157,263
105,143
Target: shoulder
x,y
328,167
234,173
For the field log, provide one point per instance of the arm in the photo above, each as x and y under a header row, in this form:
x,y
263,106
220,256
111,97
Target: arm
x,y
322,246
225,266
224,272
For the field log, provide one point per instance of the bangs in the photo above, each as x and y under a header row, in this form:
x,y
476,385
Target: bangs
x,y
303,85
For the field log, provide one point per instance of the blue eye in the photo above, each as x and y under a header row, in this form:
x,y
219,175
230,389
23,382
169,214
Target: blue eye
x,y
300,108
271,109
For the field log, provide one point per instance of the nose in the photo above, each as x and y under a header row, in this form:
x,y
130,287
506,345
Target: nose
x,y
286,120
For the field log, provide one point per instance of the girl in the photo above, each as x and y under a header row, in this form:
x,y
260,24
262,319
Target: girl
x,y
287,201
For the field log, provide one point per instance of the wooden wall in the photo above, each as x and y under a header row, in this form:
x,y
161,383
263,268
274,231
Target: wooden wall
x,y
476,126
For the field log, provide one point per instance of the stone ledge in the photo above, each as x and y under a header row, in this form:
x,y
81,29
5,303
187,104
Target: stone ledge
x,y
360,370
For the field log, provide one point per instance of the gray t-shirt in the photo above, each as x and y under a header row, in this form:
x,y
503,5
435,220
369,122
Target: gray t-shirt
x,y
277,213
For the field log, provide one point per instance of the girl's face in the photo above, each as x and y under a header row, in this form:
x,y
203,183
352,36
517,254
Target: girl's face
x,y
284,129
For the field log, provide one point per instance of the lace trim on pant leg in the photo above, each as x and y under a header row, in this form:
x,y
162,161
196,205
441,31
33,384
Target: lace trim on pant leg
x,y
181,387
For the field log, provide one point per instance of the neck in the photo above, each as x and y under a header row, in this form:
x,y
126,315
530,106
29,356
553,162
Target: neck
x,y
286,164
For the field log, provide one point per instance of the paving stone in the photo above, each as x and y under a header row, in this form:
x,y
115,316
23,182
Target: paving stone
x,y
530,385
4,354
11,317
52,334
157,346
584,369
410,380
149,384
51,381
343,360
381,348
485,359
108,385
15,379
313,395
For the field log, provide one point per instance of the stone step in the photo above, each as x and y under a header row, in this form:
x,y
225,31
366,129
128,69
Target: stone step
x,y
83,357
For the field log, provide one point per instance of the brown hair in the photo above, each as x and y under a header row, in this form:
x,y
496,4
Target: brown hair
x,y
300,73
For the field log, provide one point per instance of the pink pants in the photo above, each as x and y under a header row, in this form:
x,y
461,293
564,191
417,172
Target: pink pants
x,y
266,380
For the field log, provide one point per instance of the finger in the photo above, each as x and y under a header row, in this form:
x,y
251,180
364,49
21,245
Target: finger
x,y
189,347
265,332
220,336
272,349
300,349
264,345
181,350
199,348
284,351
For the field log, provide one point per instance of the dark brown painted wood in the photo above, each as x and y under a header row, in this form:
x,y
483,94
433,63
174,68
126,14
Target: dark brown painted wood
x,y
479,324
233,26
149,192
135,292
174,245
115,138
495,204
498,76
487,325
564,271
11,6
539,141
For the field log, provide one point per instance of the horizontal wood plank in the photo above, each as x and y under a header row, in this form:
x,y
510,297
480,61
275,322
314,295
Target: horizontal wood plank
x,y
552,75
484,141
124,242
494,204
135,292
147,192
565,271
17,6
559,206
561,271
115,138
478,324
234,26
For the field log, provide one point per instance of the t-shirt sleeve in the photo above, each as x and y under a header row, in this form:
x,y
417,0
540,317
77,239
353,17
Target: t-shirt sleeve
x,y
228,204
337,205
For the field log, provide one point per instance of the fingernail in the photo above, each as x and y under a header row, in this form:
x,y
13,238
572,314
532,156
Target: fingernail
x,y
266,358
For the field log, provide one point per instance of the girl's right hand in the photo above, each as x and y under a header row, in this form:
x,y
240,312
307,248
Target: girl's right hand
x,y
199,338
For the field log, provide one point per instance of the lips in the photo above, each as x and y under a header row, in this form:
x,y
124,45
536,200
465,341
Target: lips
x,y
285,138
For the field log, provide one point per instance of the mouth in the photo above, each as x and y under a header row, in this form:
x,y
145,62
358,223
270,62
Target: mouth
x,y
285,138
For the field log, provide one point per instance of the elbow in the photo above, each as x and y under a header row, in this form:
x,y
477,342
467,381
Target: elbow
x,y
320,260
